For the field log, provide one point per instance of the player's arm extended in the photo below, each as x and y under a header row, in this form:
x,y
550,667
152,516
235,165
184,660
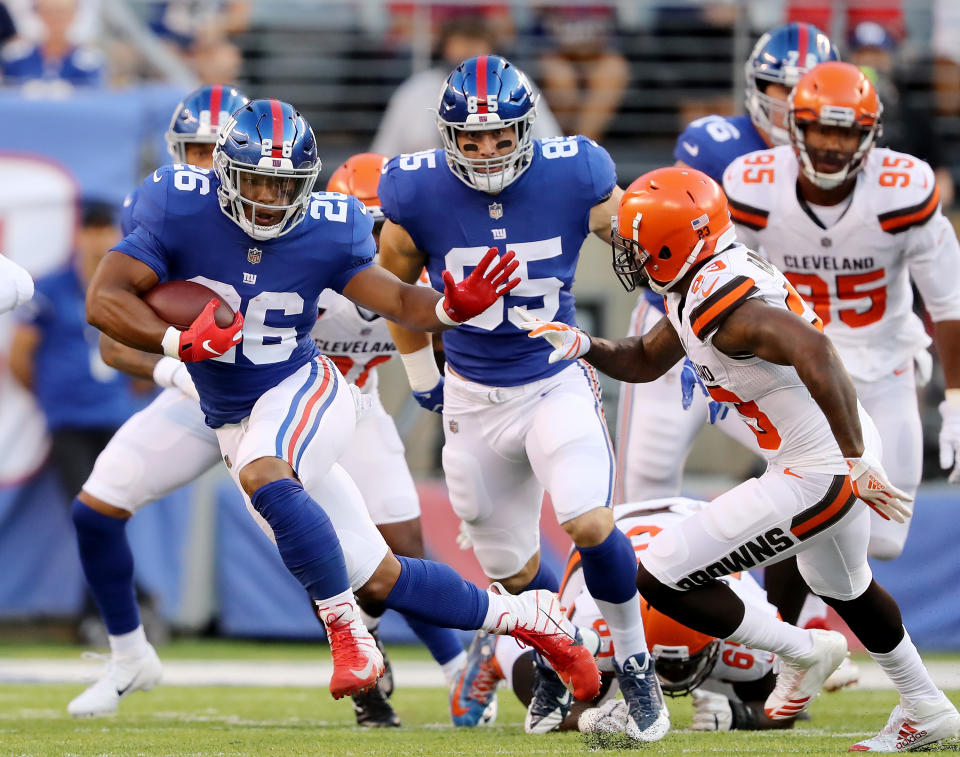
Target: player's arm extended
x,y
601,213
637,359
781,337
412,307
114,305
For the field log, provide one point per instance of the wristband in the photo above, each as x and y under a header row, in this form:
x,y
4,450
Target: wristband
x,y
164,370
442,316
171,342
952,396
421,368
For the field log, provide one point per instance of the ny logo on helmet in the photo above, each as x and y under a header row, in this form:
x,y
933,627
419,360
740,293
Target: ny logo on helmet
x,y
254,255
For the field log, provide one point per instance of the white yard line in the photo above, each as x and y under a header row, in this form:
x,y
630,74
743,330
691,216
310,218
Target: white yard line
x,y
417,675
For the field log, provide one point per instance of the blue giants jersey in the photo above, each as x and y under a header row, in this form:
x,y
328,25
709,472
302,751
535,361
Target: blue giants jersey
x,y
182,234
711,143
543,217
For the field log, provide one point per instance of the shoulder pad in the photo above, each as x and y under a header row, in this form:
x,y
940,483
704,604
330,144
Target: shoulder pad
x,y
721,287
748,182
903,189
399,177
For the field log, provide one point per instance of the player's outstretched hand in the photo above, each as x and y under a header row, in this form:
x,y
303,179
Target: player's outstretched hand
x,y
479,290
568,342
950,438
204,339
433,399
870,483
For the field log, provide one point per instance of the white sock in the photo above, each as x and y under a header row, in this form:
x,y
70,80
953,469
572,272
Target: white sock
x,y
907,672
130,644
762,631
369,621
626,627
507,652
498,605
451,668
344,597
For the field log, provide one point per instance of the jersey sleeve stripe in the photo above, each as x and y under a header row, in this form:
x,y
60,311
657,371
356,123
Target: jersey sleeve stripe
x,y
713,311
897,221
834,505
752,218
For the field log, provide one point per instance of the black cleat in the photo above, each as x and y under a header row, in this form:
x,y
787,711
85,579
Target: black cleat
x,y
551,701
386,680
373,710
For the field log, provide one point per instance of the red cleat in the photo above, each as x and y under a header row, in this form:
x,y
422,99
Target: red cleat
x,y
357,663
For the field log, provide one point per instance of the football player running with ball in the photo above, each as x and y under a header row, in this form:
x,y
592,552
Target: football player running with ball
x,y
282,411
516,425
758,347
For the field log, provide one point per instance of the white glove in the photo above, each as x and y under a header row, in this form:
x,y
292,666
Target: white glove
x,y
870,483
170,372
950,435
711,711
568,342
610,717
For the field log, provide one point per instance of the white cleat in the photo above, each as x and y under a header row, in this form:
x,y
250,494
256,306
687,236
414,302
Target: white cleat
x,y
802,678
124,675
609,718
917,725
848,674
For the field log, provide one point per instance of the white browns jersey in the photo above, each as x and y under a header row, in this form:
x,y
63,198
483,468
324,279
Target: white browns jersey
x,y
771,399
356,339
641,521
857,272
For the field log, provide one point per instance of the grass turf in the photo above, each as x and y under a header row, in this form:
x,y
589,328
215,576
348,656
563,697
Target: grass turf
x,y
242,721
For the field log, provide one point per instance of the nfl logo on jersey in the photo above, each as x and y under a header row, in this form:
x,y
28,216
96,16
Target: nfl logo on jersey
x,y
496,210
254,254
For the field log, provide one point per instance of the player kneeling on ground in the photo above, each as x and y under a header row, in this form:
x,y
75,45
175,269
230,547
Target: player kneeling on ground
x,y
758,347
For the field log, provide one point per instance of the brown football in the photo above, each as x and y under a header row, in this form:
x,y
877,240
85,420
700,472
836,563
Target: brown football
x,y
180,302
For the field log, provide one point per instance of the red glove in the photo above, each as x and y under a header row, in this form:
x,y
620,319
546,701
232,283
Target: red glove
x,y
204,339
478,291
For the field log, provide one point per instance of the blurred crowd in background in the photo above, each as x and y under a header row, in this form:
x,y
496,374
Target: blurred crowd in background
x,y
366,74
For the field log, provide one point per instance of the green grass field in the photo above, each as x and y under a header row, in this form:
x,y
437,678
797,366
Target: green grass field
x,y
235,721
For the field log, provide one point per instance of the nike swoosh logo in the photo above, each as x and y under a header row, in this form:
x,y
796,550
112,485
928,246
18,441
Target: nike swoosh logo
x,y
694,150
455,707
366,670
124,690
901,371
206,345
156,176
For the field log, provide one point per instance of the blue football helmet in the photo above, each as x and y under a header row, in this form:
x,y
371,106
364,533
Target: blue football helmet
x,y
266,160
782,56
199,117
483,93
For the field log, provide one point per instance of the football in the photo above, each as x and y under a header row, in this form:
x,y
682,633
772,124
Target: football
x,y
180,302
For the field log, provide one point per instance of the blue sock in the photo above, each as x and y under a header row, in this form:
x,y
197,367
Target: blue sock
x,y
545,579
435,593
442,642
108,565
305,537
610,568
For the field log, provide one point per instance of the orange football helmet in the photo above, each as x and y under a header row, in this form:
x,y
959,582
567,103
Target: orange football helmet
x,y
684,657
840,95
668,219
360,176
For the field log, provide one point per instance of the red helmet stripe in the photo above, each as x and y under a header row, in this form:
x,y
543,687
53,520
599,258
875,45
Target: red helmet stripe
x,y
216,98
482,84
276,110
803,42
